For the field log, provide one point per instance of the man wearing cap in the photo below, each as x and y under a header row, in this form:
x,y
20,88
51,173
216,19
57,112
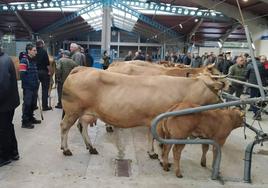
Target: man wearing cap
x,y
64,67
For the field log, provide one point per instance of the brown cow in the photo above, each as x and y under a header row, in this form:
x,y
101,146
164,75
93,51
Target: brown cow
x,y
143,68
126,101
212,124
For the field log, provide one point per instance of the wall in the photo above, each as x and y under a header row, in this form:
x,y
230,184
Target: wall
x,y
20,46
262,47
234,51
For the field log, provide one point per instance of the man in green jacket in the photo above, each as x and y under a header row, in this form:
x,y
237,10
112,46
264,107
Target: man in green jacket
x,y
64,67
237,71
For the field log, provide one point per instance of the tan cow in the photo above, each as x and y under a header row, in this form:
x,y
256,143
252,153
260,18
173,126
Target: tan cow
x,y
212,124
143,68
126,101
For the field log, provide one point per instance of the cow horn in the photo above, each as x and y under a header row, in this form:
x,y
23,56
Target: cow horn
x,y
218,76
211,66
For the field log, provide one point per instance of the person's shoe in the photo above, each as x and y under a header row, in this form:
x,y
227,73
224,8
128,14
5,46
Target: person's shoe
x,y
47,108
27,125
4,161
35,121
58,106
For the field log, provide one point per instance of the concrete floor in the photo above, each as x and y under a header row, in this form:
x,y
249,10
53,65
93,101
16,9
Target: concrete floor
x,y
42,163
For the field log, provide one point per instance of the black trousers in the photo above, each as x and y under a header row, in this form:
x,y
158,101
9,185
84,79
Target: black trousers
x,y
238,90
59,91
8,141
29,103
254,92
45,80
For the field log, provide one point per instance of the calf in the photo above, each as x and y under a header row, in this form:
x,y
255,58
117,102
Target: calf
x,y
212,124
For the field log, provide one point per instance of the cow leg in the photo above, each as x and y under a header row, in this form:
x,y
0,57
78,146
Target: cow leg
x,y
165,152
83,127
204,154
66,124
151,151
177,149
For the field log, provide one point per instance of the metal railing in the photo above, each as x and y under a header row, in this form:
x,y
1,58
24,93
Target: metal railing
x,y
216,165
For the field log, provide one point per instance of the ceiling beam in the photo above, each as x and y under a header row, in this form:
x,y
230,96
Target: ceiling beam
x,y
24,23
76,29
256,26
175,10
228,32
163,29
192,33
70,18
46,4
69,26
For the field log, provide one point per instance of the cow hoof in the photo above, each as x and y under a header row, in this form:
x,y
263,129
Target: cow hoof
x,y
61,148
153,156
179,176
67,152
109,129
166,169
93,151
161,164
203,164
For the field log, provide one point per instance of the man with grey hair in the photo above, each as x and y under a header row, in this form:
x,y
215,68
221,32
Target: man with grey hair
x,y
76,55
64,67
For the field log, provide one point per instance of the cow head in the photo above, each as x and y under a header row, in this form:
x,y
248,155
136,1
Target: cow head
x,y
211,69
215,82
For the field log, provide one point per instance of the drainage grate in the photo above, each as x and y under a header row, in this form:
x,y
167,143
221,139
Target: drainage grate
x,y
122,167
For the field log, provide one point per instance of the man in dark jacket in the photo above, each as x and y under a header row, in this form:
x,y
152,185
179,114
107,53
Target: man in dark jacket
x,y
255,92
42,61
30,84
196,61
9,100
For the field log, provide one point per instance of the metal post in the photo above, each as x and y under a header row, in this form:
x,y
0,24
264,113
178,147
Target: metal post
x,y
246,83
254,62
248,158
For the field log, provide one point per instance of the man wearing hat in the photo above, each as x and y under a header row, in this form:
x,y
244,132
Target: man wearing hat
x,y
64,67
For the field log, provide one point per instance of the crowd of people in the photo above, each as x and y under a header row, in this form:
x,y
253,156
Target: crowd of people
x,y
239,67
35,68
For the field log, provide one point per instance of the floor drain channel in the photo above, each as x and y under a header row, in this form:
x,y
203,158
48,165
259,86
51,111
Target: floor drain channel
x,y
122,167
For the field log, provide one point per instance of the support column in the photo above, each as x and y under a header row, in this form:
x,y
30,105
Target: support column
x,y
106,27
118,45
139,41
